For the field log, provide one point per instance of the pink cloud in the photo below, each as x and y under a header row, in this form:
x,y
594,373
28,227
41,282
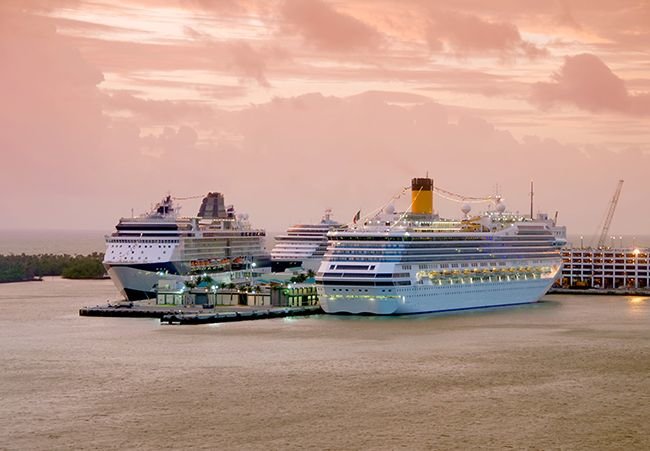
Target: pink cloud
x,y
240,56
470,34
169,141
586,82
250,63
55,139
65,134
37,5
50,99
155,112
327,29
365,144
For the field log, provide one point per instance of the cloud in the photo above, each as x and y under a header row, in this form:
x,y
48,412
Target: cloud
x,y
357,151
221,6
250,63
155,112
37,5
102,147
469,34
239,56
169,141
586,82
56,142
50,97
327,29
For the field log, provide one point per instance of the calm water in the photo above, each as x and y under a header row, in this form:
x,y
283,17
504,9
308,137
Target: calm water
x,y
568,373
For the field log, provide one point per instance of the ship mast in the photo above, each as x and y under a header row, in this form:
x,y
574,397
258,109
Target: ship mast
x,y
532,194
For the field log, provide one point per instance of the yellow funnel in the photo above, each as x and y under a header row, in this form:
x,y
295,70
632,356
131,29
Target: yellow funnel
x,y
422,196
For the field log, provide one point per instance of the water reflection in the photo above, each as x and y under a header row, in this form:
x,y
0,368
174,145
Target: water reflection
x,y
637,304
463,313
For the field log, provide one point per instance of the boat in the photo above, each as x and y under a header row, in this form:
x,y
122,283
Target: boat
x,y
163,245
416,262
303,245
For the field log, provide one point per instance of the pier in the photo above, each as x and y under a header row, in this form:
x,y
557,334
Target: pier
x,y
194,315
601,291
228,317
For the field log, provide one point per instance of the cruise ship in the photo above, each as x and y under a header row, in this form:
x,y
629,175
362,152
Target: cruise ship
x,y
303,245
161,244
416,262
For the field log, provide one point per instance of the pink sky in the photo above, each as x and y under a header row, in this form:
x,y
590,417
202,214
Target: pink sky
x,y
289,107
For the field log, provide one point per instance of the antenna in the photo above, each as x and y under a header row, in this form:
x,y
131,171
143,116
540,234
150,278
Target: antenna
x,y
532,194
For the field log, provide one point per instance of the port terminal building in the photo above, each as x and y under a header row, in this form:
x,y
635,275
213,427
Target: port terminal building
x,y
605,268
291,295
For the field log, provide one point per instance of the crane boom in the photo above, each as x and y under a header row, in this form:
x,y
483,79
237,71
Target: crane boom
x,y
610,214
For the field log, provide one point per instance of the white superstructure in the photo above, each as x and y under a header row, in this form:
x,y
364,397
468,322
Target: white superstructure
x,y
303,245
400,263
163,245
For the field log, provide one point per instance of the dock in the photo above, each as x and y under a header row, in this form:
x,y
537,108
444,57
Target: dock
x,y
601,291
197,315
228,317
123,311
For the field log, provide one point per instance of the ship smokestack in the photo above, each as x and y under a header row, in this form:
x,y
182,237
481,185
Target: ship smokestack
x,y
213,207
422,196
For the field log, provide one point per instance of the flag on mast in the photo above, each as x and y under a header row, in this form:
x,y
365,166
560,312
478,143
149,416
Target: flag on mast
x,y
356,217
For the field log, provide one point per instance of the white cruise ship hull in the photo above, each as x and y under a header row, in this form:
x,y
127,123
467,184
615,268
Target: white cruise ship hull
x,y
138,284
433,298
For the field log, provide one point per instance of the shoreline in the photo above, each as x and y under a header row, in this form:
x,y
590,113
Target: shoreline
x,y
35,279
42,279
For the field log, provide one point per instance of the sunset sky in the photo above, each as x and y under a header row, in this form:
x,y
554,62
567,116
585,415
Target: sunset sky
x,y
289,107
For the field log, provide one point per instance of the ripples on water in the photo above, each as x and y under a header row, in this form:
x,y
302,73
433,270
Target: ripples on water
x,y
567,373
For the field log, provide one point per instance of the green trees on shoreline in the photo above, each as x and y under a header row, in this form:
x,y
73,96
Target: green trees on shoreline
x,y
16,268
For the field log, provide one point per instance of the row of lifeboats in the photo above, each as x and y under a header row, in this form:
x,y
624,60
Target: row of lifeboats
x,y
478,279
217,262
485,271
